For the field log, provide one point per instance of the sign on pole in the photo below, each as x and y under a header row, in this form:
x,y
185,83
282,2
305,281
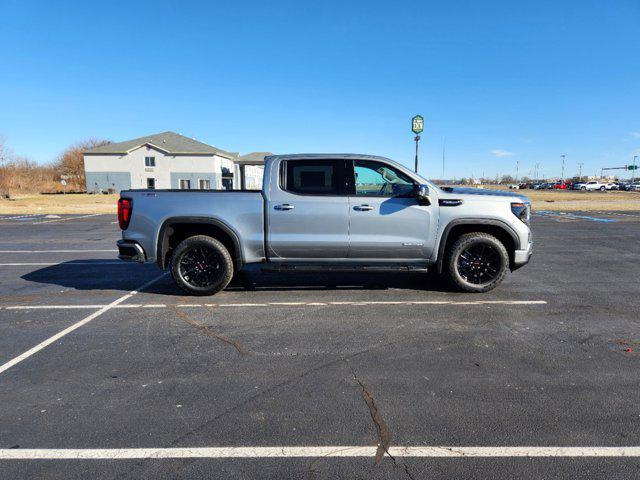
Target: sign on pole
x,y
417,124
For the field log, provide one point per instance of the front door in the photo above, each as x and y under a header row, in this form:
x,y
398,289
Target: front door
x,y
387,222
308,216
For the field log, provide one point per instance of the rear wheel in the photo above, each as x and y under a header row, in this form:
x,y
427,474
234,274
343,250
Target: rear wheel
x,y
583,188
602,189
477,262
201,265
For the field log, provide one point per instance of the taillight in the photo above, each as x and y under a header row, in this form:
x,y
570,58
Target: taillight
x,y
125,207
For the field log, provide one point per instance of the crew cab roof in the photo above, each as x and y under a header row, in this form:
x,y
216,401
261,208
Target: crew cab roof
x,y
328,156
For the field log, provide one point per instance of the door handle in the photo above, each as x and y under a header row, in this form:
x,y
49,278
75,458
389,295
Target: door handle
x,y
363,208
284,206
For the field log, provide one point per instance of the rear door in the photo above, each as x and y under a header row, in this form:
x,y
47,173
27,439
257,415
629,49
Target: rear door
x,y
387,221
308,211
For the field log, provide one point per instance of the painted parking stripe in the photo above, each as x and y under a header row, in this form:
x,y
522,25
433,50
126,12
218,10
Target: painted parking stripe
x,y
63,264
573,216
70,218
75,326
275,304
58,251
339,451
23,216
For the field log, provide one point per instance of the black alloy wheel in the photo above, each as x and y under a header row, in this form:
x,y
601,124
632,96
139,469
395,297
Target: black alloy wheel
x,y
479,263
201,265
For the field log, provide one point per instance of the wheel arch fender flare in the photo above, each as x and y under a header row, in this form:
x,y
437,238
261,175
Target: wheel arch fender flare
x,y
164,233
474,222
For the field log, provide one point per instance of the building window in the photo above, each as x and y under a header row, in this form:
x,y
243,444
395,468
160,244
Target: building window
x,y
227,179
149,161
204,184
185,184
151,183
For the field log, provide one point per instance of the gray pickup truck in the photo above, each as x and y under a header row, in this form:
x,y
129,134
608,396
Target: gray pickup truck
x,y
341,212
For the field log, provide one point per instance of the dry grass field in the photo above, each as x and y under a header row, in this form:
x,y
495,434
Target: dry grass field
x,y
57,204
556,200
571,200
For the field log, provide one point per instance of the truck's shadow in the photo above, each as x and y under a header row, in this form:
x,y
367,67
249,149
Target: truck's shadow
x,y
93,275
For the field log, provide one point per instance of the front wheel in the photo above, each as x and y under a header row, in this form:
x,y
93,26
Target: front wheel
x,y
201,265
477,262
602,189
583,188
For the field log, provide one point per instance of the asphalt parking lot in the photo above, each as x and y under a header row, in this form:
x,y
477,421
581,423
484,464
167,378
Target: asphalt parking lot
x,y
106,368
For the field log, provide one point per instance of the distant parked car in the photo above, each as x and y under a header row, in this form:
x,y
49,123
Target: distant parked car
x,y
559,186
514,187
593,185
612,186
635,187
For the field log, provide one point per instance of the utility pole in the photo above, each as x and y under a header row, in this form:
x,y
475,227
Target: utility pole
x,y
633,172
517,169
580,171
562,175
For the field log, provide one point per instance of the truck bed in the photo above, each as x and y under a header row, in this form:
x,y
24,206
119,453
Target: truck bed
x,y
241,211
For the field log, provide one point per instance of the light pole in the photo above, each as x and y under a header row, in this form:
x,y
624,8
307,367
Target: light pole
x,y
580,171
517,169
633,171
417,126
562,175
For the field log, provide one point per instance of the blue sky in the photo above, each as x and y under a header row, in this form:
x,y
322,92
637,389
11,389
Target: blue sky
x,y
502,81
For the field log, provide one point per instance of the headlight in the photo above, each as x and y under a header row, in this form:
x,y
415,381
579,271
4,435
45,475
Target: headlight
x,y
522,211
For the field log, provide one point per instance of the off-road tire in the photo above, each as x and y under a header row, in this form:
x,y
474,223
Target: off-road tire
x,y
223,265
452,261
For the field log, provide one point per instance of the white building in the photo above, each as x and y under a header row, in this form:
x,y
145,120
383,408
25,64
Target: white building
x,y
250,168
164,160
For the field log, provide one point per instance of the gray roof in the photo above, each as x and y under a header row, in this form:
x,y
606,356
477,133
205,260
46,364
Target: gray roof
x,y
170,142
253,158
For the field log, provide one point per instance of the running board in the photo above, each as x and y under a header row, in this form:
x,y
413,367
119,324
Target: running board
x,y
340,267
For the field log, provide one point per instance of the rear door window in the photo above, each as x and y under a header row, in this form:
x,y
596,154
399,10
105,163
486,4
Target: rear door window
x,y
314,177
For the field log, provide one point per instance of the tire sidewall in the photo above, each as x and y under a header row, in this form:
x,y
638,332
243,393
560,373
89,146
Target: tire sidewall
x,y
226,263
464,242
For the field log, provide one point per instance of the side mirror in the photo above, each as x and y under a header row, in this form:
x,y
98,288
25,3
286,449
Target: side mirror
x,y
422,191
422,194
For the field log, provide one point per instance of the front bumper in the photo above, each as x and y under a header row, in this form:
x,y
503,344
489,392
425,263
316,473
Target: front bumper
x,y
521,257
130,251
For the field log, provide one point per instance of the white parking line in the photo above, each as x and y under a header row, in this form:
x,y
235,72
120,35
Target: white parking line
x,y
23,216
58,251
75,326
70,218
66,264
274,304
317,451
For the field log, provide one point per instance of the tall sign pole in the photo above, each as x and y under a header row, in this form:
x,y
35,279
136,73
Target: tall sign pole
x,y
417,126
562,175
633,170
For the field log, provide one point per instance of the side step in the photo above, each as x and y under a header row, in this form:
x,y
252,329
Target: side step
x,y
341,267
